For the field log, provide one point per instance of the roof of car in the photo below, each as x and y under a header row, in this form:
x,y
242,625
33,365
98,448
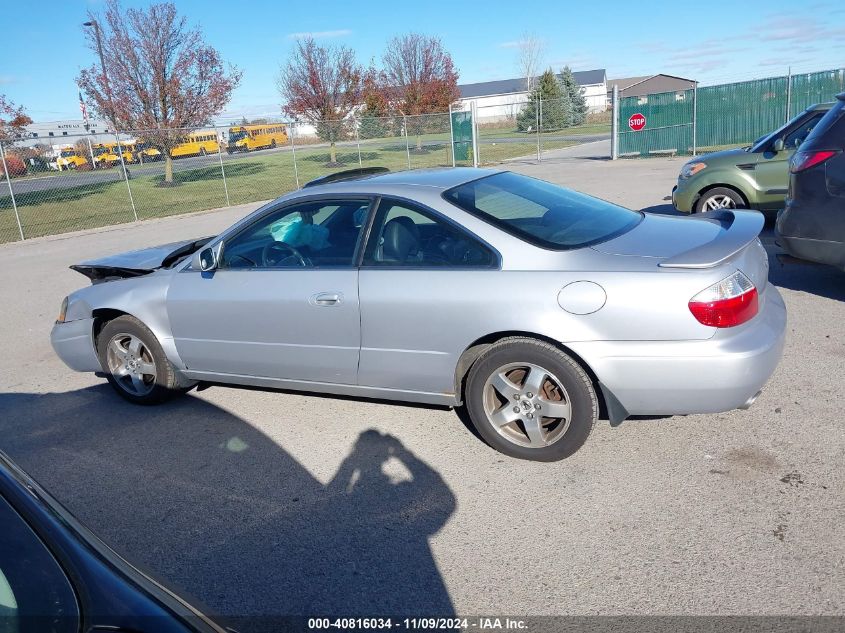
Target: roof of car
x,y
437,178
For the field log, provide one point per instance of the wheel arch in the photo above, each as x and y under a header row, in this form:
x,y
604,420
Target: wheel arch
x,y
745,198
102,316
608,404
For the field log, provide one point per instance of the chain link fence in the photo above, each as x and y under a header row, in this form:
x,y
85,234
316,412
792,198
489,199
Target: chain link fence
x,y
710,118
85,181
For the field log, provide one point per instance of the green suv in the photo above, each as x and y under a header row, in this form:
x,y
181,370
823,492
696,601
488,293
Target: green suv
x,y
753,177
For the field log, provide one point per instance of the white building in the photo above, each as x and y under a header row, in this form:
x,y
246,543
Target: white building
x,y
503,99
58,134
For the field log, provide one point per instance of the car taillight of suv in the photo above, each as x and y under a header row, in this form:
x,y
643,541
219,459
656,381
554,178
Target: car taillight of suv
x,y
804,160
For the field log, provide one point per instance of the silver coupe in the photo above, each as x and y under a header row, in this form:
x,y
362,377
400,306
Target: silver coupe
x,y
536,308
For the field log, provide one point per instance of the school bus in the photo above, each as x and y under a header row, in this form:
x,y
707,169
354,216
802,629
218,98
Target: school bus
x,y
145,153
69,158
106,154
197,143
245,138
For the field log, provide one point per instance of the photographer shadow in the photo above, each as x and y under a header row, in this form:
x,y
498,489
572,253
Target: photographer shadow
x,y
229,519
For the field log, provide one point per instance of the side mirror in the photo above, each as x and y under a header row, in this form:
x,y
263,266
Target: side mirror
x,y
208,258
777,146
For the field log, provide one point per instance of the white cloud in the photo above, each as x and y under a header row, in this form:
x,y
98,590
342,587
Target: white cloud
x,y
319,35
801,30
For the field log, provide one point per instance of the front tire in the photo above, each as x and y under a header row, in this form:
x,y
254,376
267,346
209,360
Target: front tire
x,y
528,399
135,364
719,198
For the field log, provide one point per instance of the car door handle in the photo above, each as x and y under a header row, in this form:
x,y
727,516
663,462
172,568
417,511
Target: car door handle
x,y
327,299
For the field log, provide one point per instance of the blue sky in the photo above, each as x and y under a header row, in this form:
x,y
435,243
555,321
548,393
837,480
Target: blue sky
x,y
714,41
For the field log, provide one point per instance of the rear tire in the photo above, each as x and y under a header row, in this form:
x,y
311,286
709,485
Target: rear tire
x,y
135,364
528,399
273,144
719,198
202,151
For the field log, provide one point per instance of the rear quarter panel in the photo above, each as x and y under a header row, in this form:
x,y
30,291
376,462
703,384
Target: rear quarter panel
x,y
417,324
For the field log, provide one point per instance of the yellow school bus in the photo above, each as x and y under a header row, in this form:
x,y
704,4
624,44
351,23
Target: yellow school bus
x,y
145,153
197,143
69,158
245,138
106,154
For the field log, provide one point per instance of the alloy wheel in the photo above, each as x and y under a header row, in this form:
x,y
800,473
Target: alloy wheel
x,y
718,202
527,405
131,364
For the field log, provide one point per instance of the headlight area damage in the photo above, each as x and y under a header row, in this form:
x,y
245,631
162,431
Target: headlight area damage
x,y
138,263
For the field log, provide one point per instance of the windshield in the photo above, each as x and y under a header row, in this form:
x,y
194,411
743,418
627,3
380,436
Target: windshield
x,y
99,151
67,153
236,136
542,213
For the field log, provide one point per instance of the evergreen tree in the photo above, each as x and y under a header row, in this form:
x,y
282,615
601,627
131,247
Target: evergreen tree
x,y
555,111
576,97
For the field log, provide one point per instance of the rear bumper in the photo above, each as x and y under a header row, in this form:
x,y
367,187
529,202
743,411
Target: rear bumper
x,y
683,377
72,341
799,228
820,251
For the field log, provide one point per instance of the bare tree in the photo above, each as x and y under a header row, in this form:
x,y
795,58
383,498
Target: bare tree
x,y
419,77
531,52
158,76
322,85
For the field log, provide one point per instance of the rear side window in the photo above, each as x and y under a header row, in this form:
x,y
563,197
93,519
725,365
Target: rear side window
x,y
832,123
542,213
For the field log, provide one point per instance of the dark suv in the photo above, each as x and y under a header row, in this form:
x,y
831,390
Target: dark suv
x,y
812,226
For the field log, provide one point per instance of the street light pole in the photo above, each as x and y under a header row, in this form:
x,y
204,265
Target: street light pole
x,y
99,39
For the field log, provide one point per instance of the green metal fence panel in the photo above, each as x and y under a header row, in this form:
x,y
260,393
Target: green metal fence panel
x,y
733,114
811,88
462,135
727,115
668,124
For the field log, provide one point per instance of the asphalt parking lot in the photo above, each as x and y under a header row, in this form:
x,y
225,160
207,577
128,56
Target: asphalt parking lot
x,y
240,499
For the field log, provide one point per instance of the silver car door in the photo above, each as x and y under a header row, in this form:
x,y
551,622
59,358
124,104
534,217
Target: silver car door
x,y
419,276
283,302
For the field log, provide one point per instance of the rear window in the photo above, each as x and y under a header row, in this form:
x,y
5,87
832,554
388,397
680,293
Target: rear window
x,y
542,213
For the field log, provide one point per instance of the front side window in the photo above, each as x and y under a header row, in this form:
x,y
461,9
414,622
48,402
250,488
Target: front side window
x,y
320,234
541,213
35,594
404,235
795,137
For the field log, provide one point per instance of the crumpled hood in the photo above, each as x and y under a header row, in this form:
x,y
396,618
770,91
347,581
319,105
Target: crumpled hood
x,y
140,262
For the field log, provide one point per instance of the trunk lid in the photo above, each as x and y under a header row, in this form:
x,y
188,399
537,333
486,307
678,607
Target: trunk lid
x,y
139,262
698,243
688,242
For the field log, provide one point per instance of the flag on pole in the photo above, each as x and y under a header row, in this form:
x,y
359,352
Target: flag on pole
x,y
83,109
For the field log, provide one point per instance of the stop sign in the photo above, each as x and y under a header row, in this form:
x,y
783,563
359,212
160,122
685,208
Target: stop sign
x,y
636,122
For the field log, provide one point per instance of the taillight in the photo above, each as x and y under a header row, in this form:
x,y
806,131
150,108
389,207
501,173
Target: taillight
x,y
804,160
726,303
